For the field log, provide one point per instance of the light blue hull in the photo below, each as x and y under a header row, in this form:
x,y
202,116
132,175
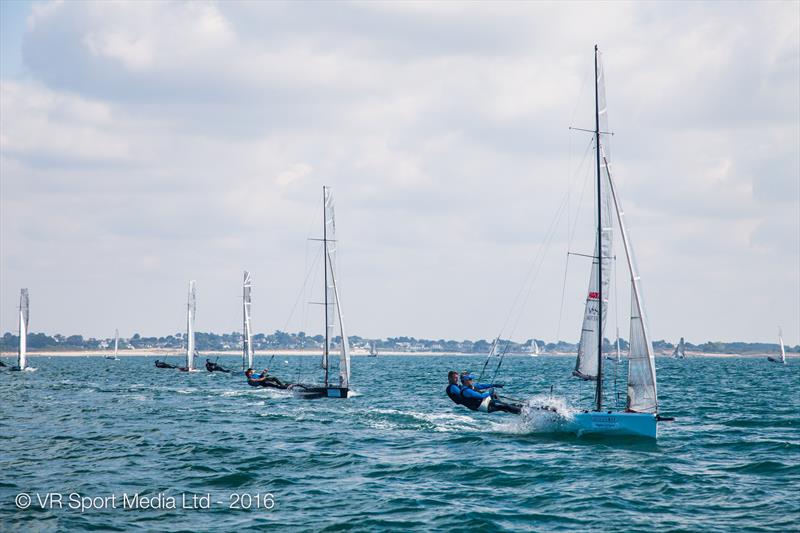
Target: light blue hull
x,y
617,423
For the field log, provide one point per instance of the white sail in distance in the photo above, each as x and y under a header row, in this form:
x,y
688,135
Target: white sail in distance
x,y
24,316
191,309
783,349
247,332
680,350
333,307
116,342
586,365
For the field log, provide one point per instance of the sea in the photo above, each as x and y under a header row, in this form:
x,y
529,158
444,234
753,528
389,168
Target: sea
x,y
90,444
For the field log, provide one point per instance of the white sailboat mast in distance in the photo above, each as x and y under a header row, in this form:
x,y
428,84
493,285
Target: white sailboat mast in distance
x,y
191,310
247,333
782,359
24,316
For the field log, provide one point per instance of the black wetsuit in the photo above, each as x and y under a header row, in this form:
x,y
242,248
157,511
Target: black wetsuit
x,y
472,399
161,364
270,381
214,367
2,363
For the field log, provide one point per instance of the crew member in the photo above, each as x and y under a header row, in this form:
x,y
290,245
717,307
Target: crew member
x,y
214,367
162,364
264,380
472,399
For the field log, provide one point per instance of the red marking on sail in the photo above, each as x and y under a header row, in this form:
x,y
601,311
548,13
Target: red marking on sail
x,y
594,295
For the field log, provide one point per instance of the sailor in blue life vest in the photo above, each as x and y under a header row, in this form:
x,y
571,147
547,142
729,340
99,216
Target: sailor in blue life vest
x,y
264,380
466,395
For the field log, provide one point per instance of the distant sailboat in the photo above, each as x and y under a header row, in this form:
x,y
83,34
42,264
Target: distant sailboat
x,y
333,310
782,360
680,350
373,350
191,311
24,316
641,413
247,333
534,348
116,347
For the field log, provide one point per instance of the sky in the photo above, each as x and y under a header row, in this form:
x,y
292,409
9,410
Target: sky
x,y
145,144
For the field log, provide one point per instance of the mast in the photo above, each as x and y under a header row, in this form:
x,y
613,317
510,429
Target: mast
x,y
599,389
325,270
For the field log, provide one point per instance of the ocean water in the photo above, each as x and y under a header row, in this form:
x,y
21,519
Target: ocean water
x,y
399,456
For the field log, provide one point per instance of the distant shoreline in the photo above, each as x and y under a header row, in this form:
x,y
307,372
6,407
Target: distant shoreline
x,y
160,352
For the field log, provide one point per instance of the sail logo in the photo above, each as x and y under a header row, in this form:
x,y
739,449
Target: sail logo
x,y
594,295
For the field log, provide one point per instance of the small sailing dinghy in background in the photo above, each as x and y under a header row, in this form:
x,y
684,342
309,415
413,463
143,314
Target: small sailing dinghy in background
x,y
373,350
333,311
247,332
24,316
640,416
191,311
116,347
680,350
782,360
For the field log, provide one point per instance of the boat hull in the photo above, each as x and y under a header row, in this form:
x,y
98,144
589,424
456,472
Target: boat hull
x,y
313,392
772,359
617,423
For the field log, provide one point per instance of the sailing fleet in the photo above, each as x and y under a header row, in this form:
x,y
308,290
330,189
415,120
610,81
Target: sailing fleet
x,y
640,414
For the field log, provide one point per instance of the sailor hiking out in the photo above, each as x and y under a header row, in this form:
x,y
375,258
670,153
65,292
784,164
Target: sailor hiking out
x,y
477,396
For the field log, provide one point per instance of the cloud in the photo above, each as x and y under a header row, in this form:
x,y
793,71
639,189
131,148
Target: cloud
x,y
181,140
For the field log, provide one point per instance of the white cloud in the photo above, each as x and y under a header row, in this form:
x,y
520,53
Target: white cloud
x,y
180,140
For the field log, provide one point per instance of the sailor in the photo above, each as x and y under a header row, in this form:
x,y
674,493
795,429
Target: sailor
x,y
214,367
467,396
264,380
162,364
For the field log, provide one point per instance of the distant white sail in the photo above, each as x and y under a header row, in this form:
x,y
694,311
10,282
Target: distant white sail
x,y
191,310
783,349
680,350
24,315
247,333
116,342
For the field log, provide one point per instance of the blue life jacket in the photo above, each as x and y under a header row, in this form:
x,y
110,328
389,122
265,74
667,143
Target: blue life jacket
x,y
455,396
460,399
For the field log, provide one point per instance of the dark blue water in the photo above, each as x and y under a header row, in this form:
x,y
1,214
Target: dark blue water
x,y
400,456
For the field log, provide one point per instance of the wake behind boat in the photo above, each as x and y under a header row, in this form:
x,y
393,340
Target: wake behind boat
x,y
333,310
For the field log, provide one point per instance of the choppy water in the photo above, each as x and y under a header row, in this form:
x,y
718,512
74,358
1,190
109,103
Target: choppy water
x,y
399,456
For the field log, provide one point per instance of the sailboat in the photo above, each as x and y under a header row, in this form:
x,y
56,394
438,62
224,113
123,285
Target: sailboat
x,y
333,310
680,350
116,347
24,315
534,348
247,332
191,310
640,416
373,350
783,350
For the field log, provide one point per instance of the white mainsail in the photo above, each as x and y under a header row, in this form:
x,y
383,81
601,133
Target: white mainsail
x,y
24,315
586,365
116,342
783,349
333,306
247,333
191,309
680,350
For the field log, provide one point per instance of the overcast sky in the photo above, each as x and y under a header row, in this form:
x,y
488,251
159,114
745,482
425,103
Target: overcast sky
x,y
145,144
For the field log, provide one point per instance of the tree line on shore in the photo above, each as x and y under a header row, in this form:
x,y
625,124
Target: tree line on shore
x,y
281,340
